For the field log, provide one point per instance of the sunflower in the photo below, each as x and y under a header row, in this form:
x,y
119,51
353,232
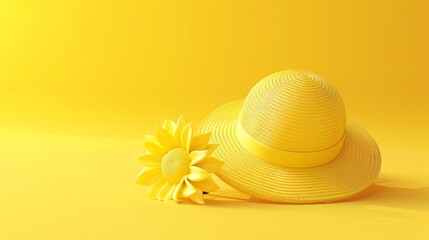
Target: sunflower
x,y
177,164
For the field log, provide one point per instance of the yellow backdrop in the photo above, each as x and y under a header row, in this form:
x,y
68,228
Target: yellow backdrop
x,y
81,83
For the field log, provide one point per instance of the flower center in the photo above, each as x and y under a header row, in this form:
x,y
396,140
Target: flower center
x,y
175,165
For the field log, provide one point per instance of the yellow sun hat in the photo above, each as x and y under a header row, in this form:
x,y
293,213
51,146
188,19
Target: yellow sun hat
x,y
291,141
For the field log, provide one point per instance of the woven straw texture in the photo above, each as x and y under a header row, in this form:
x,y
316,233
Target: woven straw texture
x,y
293,111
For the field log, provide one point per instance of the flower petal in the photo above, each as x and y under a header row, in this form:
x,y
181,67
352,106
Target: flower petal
x,y
177,190
188,189
197,197
155,148
181,123
155,188
149,159
150,138
211,148
186,136
148,175
197,156
207,185
210,164
166,139
170,126
197,174
166,191
199,142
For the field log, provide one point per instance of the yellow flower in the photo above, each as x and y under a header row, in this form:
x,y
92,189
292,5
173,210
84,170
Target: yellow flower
x,y
178,165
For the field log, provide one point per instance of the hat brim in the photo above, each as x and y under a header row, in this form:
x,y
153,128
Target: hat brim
x,y
354,169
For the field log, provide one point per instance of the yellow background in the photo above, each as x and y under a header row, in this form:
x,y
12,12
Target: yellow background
x,y
81,83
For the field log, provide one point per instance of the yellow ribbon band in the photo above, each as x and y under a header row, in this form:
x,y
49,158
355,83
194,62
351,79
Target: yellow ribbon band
x,y
286,158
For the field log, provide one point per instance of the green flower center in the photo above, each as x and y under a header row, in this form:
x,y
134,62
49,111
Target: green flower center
x,y
175,165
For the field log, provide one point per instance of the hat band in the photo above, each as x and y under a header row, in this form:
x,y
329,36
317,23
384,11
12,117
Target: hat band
x,y
286,158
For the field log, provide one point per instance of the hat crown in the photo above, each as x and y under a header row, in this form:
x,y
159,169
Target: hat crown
x,y
294,110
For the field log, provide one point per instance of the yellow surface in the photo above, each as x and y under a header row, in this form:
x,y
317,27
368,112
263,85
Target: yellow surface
x,y
81,82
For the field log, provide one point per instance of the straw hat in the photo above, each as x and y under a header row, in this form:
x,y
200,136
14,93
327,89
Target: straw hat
x,y
291,141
